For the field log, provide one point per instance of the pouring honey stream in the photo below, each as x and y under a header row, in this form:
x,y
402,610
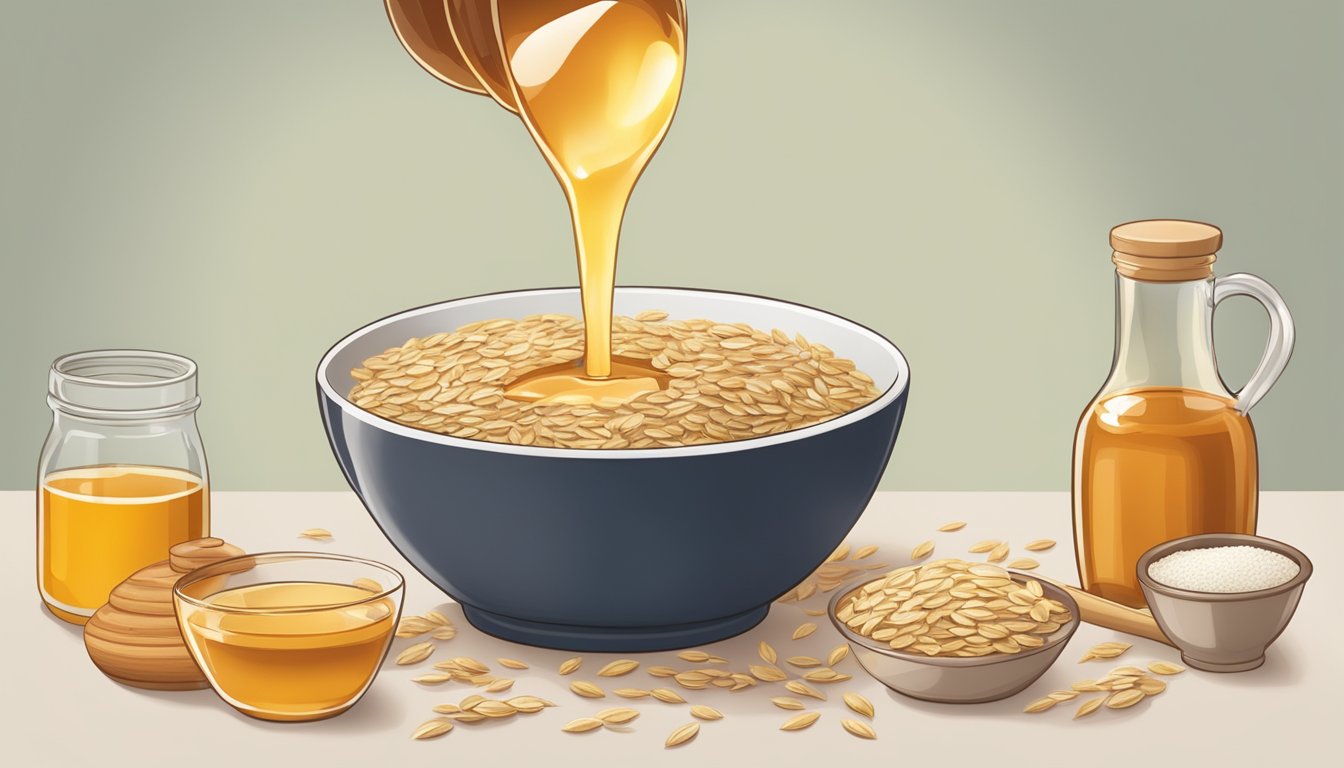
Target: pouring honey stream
x,y
596,82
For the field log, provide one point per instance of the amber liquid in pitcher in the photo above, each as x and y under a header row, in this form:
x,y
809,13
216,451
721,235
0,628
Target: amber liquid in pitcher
x,y
597,87
279,664
100,524
1155,464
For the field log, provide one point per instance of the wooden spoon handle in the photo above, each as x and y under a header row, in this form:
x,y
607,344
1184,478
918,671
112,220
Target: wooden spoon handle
x,y
1104,613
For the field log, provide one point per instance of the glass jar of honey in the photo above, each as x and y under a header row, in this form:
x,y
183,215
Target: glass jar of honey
x,y
1164,450
122,475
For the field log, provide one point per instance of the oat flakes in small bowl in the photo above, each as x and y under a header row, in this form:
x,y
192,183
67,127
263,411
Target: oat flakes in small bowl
x,y
955,632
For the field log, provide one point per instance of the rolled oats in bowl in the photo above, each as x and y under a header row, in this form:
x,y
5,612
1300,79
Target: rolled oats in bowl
x,y
723,382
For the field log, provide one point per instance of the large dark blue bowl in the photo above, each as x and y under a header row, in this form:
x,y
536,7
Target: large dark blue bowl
x,y
617,550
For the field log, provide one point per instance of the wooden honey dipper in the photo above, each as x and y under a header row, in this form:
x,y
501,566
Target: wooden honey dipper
x,y
134,639
1101,612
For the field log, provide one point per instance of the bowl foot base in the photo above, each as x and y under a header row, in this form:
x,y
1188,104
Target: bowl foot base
x,y
612,639
1209,666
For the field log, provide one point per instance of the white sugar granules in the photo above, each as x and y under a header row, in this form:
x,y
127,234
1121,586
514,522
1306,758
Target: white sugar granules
x,y
1223,569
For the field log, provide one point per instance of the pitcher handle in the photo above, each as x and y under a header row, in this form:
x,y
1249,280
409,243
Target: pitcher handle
x,y
1278,349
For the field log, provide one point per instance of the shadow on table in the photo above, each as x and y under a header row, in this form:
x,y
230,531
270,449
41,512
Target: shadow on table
x,y
74,630
1282,668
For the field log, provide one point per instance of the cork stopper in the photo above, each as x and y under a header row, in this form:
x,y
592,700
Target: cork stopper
x,y
1165,250
134,639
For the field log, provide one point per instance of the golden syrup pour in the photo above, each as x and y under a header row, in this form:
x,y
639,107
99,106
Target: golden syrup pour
x,y
422,27
473,27
597,84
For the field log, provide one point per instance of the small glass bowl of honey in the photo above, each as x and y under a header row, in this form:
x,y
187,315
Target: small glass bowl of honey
x,y
289,636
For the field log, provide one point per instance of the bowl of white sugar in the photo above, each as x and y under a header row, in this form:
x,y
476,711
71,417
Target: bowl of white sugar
x,y
1222,598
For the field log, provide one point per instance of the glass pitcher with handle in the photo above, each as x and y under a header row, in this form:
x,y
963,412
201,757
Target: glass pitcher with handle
x,y
1164,449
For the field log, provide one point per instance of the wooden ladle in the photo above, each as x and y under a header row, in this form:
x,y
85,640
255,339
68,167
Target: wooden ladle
x,y
1103,613
422,27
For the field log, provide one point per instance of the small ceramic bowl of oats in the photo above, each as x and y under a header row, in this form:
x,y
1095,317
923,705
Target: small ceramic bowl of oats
x,y
955,632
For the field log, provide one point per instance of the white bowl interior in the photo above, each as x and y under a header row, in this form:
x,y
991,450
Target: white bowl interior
x,y
873,354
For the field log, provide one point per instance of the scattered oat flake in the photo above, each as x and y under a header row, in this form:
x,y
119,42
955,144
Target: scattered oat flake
x,y
767,673
837,655
433,679
695,657
318,534
804,630
1064,695
1039,545
512,663
667,696
1109,650
767,652
862,730
415,654
922,551
984,546
431,729
803,661
367,584
864,552
658,671
787,702
682,735
617,715
799,722
569,666
998,554
1150,686
411,626
1124,699
826,675
955,525
618,668
859,704
702,712
1040,705
471,665
840,553
529,704
586,689
803,689
1024,564
1165,668
582,725
1089,706
499,686
631,693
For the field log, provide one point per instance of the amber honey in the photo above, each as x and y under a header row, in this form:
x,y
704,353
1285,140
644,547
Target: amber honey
x,y
597,84
100,524
1152,465
275,651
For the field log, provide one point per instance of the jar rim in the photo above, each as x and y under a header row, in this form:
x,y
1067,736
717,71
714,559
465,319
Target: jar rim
x,y
184,367
123,383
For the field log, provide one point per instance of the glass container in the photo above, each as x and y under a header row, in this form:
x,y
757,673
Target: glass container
x,y
122,475
1165,449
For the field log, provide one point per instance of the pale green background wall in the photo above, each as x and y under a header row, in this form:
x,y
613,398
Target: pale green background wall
x,y
245,182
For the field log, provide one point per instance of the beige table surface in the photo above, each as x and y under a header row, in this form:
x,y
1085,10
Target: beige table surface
x,y
59,710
